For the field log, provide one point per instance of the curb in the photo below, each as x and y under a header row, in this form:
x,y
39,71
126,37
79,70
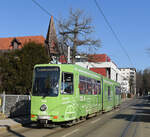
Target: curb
x,y
5,128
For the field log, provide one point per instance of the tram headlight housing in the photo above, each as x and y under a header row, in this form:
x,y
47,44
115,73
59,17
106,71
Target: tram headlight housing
x,y
43,107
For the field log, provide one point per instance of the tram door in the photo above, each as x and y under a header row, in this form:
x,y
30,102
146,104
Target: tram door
x,y
98,86
82,95
114,96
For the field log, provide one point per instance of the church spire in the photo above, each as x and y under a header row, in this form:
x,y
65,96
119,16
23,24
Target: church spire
x,y
51,42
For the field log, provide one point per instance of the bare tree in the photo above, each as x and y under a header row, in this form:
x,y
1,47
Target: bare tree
x,y
143,81
139,82
131,85
146,81
75,32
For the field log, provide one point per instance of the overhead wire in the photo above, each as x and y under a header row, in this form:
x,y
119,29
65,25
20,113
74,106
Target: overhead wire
x,y
106,20
43,9
113,32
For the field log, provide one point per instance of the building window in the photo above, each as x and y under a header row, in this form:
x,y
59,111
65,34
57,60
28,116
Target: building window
x,y
131,73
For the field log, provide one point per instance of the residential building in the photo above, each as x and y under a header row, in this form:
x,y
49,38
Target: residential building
x,y
129,75
11,43
102,64
125,86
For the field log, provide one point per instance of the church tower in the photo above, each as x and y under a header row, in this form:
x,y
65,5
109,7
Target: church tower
x,y
51,43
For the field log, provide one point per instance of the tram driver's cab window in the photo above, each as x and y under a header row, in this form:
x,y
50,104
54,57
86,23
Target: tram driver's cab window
x,y
67,83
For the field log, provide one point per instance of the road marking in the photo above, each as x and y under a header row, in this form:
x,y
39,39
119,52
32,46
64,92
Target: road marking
x,y
95,120
68,134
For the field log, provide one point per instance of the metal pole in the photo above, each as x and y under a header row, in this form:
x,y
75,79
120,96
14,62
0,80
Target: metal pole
x,y
68,54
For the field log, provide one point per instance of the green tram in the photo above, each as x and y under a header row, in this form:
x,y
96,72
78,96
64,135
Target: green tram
x,y
63,93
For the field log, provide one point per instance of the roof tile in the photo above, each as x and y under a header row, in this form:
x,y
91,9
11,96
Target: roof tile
x,y
5,43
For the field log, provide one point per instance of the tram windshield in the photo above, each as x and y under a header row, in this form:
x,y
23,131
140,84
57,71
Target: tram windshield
x,y
46,81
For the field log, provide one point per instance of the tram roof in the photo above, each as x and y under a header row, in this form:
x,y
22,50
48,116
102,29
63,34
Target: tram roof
x,y
81,70
73,68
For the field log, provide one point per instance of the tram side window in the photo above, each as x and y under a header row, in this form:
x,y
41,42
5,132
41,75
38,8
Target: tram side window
x,y
82,87
118,91
93,87
89,86
94,90
109,93
98,87
67,83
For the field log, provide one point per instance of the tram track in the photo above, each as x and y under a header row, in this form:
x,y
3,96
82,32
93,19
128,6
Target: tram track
x,y
125,131
133,118
102,118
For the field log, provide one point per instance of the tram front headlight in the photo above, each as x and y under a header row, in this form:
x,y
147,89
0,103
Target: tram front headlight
x,y
43,107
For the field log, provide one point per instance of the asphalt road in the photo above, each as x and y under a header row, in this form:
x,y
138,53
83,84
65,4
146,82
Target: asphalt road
x,y
132,119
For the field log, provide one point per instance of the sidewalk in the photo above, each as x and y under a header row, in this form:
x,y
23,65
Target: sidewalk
x,y
7,124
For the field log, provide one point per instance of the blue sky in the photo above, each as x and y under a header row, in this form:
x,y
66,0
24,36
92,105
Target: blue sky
x,y
130,19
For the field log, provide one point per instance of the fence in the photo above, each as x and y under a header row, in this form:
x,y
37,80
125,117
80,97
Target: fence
x,y
14,105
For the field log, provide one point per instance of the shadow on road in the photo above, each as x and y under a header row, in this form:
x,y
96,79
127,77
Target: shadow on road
x,y
142,113
138,118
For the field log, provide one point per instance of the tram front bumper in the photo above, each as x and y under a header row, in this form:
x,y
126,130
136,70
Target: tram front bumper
x,y
40,117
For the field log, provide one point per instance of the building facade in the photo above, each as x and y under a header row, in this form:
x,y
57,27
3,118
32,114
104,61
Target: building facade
x,y
103,65
129,82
